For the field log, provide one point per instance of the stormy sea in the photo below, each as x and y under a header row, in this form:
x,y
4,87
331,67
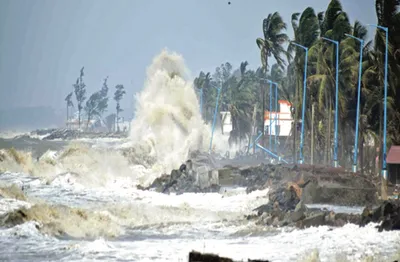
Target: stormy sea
x,y
83,199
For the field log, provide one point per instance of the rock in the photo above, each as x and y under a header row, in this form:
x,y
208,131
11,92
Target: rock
x,y
313,221
68,134
296,216
195,256
183,180
387,214
199,257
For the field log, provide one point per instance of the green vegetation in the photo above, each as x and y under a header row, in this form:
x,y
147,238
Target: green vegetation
x,y
241,88
80,93
119,93
97,103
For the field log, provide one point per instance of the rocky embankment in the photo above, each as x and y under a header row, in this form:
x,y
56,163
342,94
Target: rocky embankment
x,y
194,176
318,185
291,189
69,134
286,208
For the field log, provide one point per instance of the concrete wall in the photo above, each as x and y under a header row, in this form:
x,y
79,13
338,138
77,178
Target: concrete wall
x,y
206,177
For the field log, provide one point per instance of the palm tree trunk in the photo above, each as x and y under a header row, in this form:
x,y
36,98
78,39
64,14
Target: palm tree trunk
x,y
312,132
252,129
327,128
79,118
342,160
296,109
361,149
88,120
117,121
67,114
329,133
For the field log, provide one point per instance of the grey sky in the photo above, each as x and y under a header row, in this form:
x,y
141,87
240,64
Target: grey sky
x,y
44,43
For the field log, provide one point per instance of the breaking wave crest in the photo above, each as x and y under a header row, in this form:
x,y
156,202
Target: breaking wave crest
x,y
89,167
168,124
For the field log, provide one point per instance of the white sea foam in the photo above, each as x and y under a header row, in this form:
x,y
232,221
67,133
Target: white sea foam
x,y
167,123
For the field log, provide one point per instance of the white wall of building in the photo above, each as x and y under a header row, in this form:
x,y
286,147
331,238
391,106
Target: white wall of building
x,y
282,119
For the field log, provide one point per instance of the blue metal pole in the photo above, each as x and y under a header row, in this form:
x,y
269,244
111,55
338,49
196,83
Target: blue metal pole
x,y
385,105
256,140
215,117
301,160
303,109
335,157
276,117
272,154
270,114
335,139
384,171
358,102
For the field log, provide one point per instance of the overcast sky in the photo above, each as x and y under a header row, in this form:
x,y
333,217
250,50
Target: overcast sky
x,y
44,43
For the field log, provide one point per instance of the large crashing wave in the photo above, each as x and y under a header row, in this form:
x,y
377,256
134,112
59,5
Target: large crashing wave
x,y
168,124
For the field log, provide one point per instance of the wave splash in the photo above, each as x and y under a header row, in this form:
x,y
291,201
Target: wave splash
x,y
168,123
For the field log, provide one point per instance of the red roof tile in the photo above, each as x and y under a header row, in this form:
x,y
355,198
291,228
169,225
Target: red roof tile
x,y
393,157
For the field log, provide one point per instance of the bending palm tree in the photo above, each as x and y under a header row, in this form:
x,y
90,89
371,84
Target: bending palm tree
x,y
271,45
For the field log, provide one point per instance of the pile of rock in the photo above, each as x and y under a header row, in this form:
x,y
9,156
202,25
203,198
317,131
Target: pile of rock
x,y
204,257
186,180
63,134
387,215
69,134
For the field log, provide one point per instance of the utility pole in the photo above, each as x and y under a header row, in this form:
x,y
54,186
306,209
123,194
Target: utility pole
x,y
312,132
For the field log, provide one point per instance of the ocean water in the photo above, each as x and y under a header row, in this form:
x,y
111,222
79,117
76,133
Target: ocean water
x,y
149,226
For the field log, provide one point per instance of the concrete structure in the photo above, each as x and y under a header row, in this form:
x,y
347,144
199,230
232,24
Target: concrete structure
x,y
94,124
284,119
206,177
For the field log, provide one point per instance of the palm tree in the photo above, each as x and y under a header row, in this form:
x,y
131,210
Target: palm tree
x,y
240,106
203,81
272,42
272,45
306,33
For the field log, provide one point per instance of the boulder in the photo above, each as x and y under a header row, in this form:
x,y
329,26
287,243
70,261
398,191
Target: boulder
x,y
312,221
204,257
184,180
387,214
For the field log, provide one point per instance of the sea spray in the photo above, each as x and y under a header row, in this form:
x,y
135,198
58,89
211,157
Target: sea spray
x,y
168,119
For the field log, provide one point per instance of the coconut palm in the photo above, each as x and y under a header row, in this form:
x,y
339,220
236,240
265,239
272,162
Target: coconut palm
x,y
272,42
